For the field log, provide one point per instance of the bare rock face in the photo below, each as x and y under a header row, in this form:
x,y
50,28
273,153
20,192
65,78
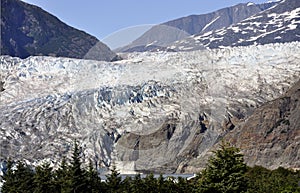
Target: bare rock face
x,y
1,86
149,112
270,136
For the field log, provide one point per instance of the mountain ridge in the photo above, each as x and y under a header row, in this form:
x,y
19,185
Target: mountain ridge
x,y
277,24
29,30
166,33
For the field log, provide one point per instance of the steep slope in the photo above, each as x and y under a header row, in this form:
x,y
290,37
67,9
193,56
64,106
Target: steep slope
x,y
225,17
280,23
150,112
271,135
171,31
28,30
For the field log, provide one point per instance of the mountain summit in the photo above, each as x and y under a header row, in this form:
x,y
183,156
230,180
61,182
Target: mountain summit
x,y
277,24
28,30
177,29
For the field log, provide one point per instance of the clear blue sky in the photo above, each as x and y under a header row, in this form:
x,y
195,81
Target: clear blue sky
x,y
101,18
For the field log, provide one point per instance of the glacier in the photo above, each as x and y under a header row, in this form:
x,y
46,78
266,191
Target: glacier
x,y
148,112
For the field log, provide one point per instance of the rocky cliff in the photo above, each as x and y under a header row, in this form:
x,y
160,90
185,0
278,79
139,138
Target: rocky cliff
x,y
27,30
271,135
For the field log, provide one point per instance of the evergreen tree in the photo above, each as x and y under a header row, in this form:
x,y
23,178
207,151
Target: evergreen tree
x,y
183,185
113,181
262,180
62,179
150,184
137,184
9,179
127,185
93,180
19,180
43,179
77,175
225,172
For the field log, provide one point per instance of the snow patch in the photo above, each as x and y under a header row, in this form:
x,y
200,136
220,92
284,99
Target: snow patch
x,y
207,25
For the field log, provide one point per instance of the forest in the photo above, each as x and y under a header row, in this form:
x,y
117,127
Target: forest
x,y
226,172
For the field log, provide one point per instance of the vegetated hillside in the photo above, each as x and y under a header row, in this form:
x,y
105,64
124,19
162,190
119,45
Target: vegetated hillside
x,y
150,112
166,33
27,30
279,24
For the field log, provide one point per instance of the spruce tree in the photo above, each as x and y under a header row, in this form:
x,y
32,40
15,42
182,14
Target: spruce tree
x,y
9,178
18,180
183,185
113,181
150,184
127,184
77,174
62,177
93,180
137,184
43,179
225,172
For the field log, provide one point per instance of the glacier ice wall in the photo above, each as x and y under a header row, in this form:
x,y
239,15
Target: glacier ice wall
x,y
149,112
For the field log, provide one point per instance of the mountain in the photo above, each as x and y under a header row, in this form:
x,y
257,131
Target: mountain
x,y
149,112
269,137
275,126
27,30
278,24
171,31
225,17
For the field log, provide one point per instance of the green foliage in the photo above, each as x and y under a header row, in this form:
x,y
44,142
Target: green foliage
x,y
77,175
62,179
126,185
93,180
44,179
19,180
262,180
113,181
184,186
9,178
150,184
137,184
225,171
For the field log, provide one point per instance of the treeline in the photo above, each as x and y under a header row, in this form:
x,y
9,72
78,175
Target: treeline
x,y
226,172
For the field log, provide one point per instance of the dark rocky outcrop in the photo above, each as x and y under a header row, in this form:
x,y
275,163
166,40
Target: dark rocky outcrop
x,y
270,137
1,86
28,30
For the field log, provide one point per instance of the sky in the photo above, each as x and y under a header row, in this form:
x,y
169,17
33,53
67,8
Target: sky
x,y
102,18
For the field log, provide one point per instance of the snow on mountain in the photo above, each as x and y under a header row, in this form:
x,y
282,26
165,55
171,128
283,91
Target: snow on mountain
x,y
181,28
279,23
149,112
